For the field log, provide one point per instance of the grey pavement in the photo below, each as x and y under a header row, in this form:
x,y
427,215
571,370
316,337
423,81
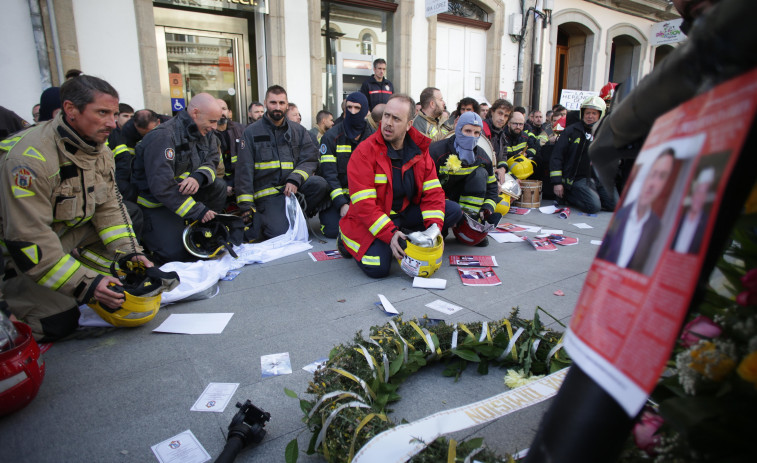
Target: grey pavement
x,y
109,399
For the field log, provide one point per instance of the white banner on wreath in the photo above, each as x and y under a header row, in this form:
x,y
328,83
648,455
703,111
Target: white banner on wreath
x,y
402,442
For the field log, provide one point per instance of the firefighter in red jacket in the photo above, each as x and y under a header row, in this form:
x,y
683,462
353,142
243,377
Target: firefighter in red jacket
x,y
394,189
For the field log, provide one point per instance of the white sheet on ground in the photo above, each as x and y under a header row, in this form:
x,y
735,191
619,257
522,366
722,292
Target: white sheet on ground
x,y
201,275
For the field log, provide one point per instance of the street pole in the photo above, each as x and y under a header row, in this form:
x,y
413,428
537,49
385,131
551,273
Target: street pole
x,y
536,56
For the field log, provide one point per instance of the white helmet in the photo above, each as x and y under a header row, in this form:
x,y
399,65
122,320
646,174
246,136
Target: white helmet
x,y
594,102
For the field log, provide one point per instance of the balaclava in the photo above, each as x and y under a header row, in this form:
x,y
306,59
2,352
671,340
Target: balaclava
x,y
464,144
354,124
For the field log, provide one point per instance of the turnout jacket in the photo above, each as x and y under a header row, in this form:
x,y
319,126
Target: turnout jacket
x,y
171,152
370,182
376,92
429,126
122,142
440,151
509,147
336,150
230,154
274,156
570,156
55,188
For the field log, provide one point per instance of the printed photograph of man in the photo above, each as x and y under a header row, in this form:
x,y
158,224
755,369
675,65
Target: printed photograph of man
x,y
691,228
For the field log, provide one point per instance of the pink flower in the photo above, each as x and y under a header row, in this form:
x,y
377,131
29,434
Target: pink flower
x,y
645,431
698,329
748,297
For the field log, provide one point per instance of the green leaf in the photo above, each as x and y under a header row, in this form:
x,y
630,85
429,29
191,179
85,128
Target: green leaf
x,y
483,367
305,406
292,452
290,393
466,354
395,366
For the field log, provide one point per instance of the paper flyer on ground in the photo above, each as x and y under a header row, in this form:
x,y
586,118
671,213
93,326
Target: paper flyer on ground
x,y
519,210
181,448
319,256
540,244
481,276
313,366
195,323
473,261
562,240
215,397
275,365
640,285
443,307
510,227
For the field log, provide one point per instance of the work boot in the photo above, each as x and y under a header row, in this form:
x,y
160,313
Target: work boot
x,y
340,247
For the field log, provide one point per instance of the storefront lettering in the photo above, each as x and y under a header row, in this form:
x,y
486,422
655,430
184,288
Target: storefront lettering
x,y
258,5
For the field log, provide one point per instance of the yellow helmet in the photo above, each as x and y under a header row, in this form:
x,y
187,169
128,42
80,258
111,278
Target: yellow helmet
x,y
503,206
142,288
521,166
421,261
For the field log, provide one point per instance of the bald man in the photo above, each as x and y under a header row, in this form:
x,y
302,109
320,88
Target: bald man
x,y
175,174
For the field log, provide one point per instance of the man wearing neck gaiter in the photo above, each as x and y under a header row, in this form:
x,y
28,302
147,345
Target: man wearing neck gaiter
x,y
61,214
466,172
337,146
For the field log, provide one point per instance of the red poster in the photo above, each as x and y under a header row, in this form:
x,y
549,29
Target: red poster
x,y
479,276
473,261
640,285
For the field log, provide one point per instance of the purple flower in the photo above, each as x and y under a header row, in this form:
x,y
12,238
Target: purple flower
x,y
748,297
698,329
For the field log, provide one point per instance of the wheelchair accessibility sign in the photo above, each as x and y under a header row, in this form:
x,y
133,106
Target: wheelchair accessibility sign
x,y
178,104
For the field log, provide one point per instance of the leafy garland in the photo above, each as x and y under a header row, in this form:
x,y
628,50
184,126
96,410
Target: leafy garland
x,y
704,410
352,390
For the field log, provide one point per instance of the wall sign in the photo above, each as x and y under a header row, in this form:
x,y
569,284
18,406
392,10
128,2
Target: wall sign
x,y
257,6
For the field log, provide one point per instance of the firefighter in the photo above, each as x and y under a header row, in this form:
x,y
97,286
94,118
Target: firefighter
x,y
280,160
62,218
336,149
231,141
468,177
175,174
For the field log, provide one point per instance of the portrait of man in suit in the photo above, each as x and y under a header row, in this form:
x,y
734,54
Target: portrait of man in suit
x,y
693,224
636,225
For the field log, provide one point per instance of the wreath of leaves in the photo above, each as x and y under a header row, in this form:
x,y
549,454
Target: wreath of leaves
x,y
352,390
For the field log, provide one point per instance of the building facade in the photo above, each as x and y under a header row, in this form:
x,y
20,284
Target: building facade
x,y
158,53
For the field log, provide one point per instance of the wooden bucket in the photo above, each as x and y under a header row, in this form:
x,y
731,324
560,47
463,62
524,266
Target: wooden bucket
x,y
531,196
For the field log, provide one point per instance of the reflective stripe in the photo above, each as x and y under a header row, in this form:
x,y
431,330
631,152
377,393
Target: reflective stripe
x,y
433,131
268,165
265,192
459,171
96,258
185,207
328,158
380,223
568,181
472,200
491,179
302,173
363,194
380,178
578,140
77,222
555,173
18,378
245,198
33,153
122,149
287,165
60,273
19,192
343,149
433,214
233,159
111,234
149,204
470,208
336,192
370,260
490,203
9,143
349,243
431,184
183,175
517,147
211,171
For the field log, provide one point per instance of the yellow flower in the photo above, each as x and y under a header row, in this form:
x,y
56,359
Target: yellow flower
x,y
748,368
709,362
453,163
517,378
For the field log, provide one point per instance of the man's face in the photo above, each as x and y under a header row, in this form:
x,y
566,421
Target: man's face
x,y
466,108
256,112
699,196
470,130
224,108
500,117
123,118
395,123
352,107
516,123
328,121
563,113
35,113
537,119
656,180
293,114
276,106
437,104
555,118
379,71
97,119
590,116
483,111
206,117
150,126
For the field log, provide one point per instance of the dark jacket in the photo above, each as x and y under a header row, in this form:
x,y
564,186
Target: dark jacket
x,y
376,92
122,141
440,152
336,150
570,154
512,145
167,155
232,142
274,156
495,135
610,249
